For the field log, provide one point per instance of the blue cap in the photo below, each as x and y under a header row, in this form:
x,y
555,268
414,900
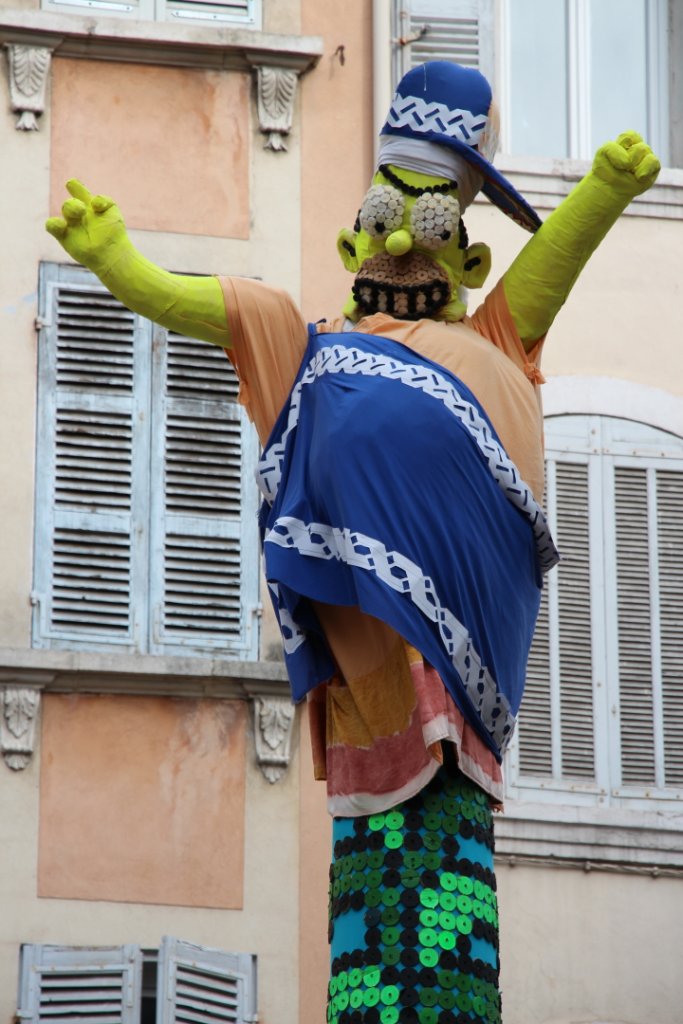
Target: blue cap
x,y
453,106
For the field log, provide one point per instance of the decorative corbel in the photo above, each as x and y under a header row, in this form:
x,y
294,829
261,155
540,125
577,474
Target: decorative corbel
x,y
19,706
276,92
273,720
28,71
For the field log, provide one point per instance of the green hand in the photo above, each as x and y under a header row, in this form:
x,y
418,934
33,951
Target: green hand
x,y
628,165
92,231
541,277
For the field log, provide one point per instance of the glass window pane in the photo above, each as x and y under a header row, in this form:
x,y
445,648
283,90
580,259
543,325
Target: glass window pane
x,y
619,86
538,78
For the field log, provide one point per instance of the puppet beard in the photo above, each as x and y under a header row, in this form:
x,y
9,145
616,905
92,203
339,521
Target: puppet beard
x,y
408,287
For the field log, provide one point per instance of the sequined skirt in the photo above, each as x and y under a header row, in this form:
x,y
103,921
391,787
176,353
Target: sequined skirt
x,y
413,911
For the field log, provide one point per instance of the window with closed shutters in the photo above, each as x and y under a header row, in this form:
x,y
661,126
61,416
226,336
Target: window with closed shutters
x,y
146,536
603,708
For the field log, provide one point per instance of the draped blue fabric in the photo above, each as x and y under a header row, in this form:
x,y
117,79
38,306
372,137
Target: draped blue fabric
x,y
386,487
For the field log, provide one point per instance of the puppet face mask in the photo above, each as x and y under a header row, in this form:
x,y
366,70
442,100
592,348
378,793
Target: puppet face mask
x,y
409,250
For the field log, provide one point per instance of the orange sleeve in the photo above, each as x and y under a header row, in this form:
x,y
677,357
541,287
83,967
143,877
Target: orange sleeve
x,y
268,337
493,320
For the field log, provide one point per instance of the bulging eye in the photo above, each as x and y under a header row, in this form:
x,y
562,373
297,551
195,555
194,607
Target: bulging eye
x,y
434,220
382,211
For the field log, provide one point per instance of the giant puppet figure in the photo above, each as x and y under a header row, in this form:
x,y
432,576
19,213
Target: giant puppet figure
x,y
404,543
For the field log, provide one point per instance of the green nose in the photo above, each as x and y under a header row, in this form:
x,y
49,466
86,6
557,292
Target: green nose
x,y
399,242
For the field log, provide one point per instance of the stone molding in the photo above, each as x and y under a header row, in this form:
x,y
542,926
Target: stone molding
x,y
31,37
610,838
24,674
276,91
28,73
273,721
160,43
545,182
19,707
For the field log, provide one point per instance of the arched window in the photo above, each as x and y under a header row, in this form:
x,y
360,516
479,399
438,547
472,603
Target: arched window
x,y
602,717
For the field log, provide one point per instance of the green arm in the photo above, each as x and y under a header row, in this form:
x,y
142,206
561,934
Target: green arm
x,y
541,277
93,233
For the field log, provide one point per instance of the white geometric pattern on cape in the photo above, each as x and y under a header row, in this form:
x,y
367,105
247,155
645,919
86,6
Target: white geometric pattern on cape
x,y
347,359
425,116
320,540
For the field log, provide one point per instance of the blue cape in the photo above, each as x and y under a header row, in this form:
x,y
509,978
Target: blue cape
x,y
385,486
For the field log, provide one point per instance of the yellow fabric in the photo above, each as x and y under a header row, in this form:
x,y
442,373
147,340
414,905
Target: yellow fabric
x,y
540,279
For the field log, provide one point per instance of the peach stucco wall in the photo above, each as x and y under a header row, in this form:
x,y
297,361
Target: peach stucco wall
x,y
142,800
337,146
170,145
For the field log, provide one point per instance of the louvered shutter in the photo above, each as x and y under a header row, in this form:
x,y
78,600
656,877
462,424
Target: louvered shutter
x,y
204,503
65,985
197,985
649,534
556,720
670,565
457,30
91,481
146,531
603,706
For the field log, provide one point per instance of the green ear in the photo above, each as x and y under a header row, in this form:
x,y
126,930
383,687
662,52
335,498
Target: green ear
x,y
346,247
477,265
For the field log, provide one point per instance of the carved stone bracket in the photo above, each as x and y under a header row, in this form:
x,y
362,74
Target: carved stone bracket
x,y
19,706
276,93
28,72
273,720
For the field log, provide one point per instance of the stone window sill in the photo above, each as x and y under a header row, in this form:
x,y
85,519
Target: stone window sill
x,y
147,42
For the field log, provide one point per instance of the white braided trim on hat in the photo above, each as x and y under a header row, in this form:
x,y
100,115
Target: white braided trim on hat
x,y
433,159
429,116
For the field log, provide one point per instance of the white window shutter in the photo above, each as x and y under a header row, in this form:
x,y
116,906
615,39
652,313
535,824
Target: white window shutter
x,y
635,627
556,718
197,984
204,502
602,715
670,544
64,984
91,483
457,30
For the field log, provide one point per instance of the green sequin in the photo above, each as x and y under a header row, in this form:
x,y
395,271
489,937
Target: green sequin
x,y
429,997
429,898
429,957
390,897
429,918
389,995
394,820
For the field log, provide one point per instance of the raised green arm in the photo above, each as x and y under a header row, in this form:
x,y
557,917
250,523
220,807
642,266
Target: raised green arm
x,y
541,277
92,231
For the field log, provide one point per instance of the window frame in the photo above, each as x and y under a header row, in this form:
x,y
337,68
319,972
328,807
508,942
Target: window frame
x,y
233,975
602,453
545,181
169,11
146,526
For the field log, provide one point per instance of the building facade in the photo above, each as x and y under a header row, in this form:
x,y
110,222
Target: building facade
x,y
162,836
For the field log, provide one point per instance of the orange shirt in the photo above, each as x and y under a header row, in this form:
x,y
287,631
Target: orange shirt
x,y
377,727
